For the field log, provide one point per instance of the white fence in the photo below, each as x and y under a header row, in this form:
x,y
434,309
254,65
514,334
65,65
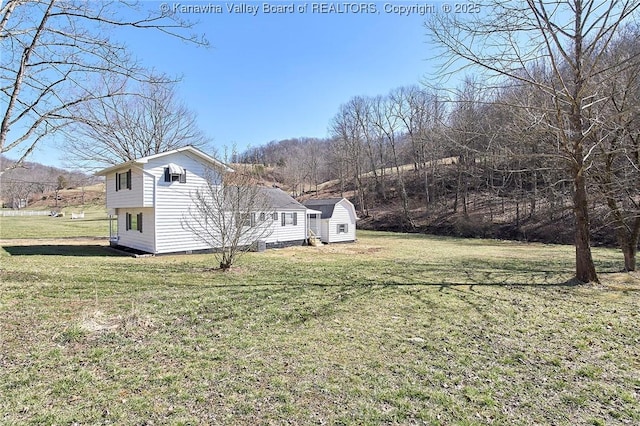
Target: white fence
x,y
7,213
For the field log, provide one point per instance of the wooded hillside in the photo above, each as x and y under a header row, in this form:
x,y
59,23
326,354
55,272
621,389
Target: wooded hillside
x,y
35,185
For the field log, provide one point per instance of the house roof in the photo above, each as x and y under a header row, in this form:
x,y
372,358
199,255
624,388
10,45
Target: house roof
x,y
280,200
325,205
187,149
268,198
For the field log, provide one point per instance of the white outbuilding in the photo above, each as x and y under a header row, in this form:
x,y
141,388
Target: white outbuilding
x,y
334,219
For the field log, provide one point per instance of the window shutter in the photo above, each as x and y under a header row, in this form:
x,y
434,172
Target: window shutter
x,y
167,176
117,181
129,179
274,216
253,219
295,219
128,221
140,222
183,176
283,220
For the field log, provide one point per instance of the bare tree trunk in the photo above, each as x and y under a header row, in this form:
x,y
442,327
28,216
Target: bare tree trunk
x,y
585,268
629,245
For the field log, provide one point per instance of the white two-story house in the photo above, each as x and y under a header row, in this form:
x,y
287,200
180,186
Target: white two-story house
x,y
152,196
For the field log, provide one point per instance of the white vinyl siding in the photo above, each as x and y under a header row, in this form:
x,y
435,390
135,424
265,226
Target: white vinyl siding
x,y
341,216
134,238
140,194
173,200
289,231
149,190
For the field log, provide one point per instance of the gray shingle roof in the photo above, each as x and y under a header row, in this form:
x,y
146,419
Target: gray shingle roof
x,y
325,205
280,200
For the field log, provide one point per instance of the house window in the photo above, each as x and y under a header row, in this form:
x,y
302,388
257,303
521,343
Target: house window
x,y
133,222
342,228
274,216
175,173
245,219
263,217
289,219
123,180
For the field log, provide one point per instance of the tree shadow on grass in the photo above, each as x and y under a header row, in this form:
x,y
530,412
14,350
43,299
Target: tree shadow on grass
x,y
92,250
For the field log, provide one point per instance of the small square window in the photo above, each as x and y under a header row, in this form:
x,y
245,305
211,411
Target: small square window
x,y
123,180
133,222
174,173
244,219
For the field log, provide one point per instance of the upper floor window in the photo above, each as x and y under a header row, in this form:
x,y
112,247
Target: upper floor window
x,y
123,180
175,173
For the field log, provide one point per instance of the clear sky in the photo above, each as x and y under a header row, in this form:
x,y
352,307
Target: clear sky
x,y
281,75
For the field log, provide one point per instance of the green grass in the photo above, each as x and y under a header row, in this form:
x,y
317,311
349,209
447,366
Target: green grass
x,y
394,329
94,224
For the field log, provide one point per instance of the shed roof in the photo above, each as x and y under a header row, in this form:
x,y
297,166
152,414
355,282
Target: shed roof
x,y
325,205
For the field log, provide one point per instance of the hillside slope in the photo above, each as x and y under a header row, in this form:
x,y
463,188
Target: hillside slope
x,y
482,215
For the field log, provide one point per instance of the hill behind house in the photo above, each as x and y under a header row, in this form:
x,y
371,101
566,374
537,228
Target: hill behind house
x,y
482,215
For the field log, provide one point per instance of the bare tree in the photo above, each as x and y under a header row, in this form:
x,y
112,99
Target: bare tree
x,y
386,119
56,55
294,169
567,40
148,121
616,172
422,122
230,214
348,143
314,161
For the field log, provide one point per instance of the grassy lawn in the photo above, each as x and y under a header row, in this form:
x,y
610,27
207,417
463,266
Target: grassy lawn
x,y
94,224
394,329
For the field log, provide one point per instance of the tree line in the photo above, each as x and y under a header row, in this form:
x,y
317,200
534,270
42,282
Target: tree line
x,y
549,122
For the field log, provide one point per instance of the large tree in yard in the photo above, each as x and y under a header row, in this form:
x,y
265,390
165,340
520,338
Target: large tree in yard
x,y
60,54
558,49
121,128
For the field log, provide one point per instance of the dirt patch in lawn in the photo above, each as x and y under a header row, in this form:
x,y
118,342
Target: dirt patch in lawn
x,y
75,241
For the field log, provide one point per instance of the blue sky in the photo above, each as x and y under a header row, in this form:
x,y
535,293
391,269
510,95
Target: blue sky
x,y
283,75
